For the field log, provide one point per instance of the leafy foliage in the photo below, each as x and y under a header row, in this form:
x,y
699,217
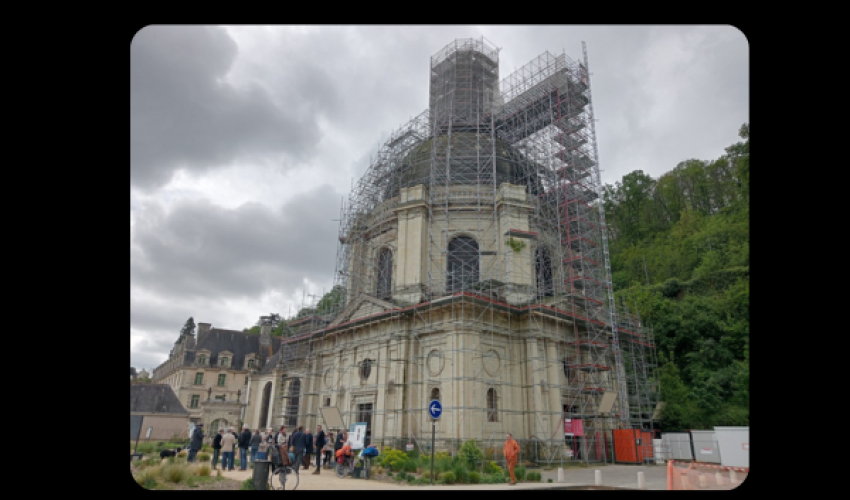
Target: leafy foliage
x,y
680,256
471,453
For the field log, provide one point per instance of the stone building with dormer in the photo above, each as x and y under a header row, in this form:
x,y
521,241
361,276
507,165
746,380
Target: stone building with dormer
x,y
210,374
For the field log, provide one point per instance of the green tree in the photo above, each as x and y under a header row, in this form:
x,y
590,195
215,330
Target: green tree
x,y
188,327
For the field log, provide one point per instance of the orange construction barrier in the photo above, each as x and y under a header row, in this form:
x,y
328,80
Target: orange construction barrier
x,y
701,476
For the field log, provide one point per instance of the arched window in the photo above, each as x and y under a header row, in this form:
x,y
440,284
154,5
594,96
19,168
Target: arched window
x,y
264,409
461,264
492,405
292,404
385,274
543,270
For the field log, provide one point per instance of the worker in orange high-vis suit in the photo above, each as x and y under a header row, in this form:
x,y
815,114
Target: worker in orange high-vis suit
x,y
511,452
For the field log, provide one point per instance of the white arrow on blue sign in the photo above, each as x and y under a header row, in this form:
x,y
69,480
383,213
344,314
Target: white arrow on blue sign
x,y
435,409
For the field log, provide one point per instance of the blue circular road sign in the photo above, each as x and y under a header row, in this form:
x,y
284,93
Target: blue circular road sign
x,y
435,408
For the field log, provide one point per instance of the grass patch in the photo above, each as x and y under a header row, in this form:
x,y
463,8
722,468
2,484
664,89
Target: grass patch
x,y
203,457
247,484
175,473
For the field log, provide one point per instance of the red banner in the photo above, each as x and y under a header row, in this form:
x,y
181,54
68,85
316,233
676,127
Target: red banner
x,y
573,427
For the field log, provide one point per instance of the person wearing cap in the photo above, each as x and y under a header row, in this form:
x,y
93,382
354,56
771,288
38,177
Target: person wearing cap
x,y
197,442
244,444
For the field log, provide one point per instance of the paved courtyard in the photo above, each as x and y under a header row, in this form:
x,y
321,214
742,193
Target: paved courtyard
x,y
619,476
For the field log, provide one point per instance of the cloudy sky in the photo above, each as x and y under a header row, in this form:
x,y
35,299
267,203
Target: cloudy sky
x,y
244,140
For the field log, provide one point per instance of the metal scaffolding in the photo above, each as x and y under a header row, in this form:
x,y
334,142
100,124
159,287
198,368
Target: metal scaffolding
x,y
481,217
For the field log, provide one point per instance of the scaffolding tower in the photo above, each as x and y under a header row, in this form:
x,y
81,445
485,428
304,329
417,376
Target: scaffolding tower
x,y
481,217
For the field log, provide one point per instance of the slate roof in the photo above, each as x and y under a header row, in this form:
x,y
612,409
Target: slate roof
x,y
154,398
239,343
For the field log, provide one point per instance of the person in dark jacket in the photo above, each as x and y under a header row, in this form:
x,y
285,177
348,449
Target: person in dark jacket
x,y
308,449
197,442
244,444
341,438
216,445
320,446
298,442
255,444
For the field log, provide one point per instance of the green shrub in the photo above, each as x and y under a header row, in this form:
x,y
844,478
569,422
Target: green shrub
x,y
490,467
409,466
247,484
411,479
203,457
549,480
497,478
183,454
204,470
474,477
448,478
400,476
460,473
533,476
519,472
471,454
423,481
393,459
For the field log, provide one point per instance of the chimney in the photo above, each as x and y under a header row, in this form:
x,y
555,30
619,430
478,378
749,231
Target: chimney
x,y
266,339
203,329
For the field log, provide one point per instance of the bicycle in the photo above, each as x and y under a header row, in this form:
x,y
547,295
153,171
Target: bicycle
x,y
346,467
282,477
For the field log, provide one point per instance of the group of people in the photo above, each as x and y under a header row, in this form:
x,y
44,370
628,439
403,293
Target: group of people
x,y
300,446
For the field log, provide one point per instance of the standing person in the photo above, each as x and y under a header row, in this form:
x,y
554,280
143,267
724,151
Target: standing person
x,y
263,447
228,441
244,444
216,445
281,439
298,444
308,448
255,444
320,448
197,442
511,451
341,438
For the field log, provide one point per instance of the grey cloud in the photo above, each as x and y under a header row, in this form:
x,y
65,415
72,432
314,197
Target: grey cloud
x,y
202,250
184,115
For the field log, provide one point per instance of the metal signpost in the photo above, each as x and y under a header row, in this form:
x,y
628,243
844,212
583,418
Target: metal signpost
x,y
435,409
136,429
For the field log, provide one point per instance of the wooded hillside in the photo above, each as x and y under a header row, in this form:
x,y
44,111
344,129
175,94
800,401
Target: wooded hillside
x,y
680,252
